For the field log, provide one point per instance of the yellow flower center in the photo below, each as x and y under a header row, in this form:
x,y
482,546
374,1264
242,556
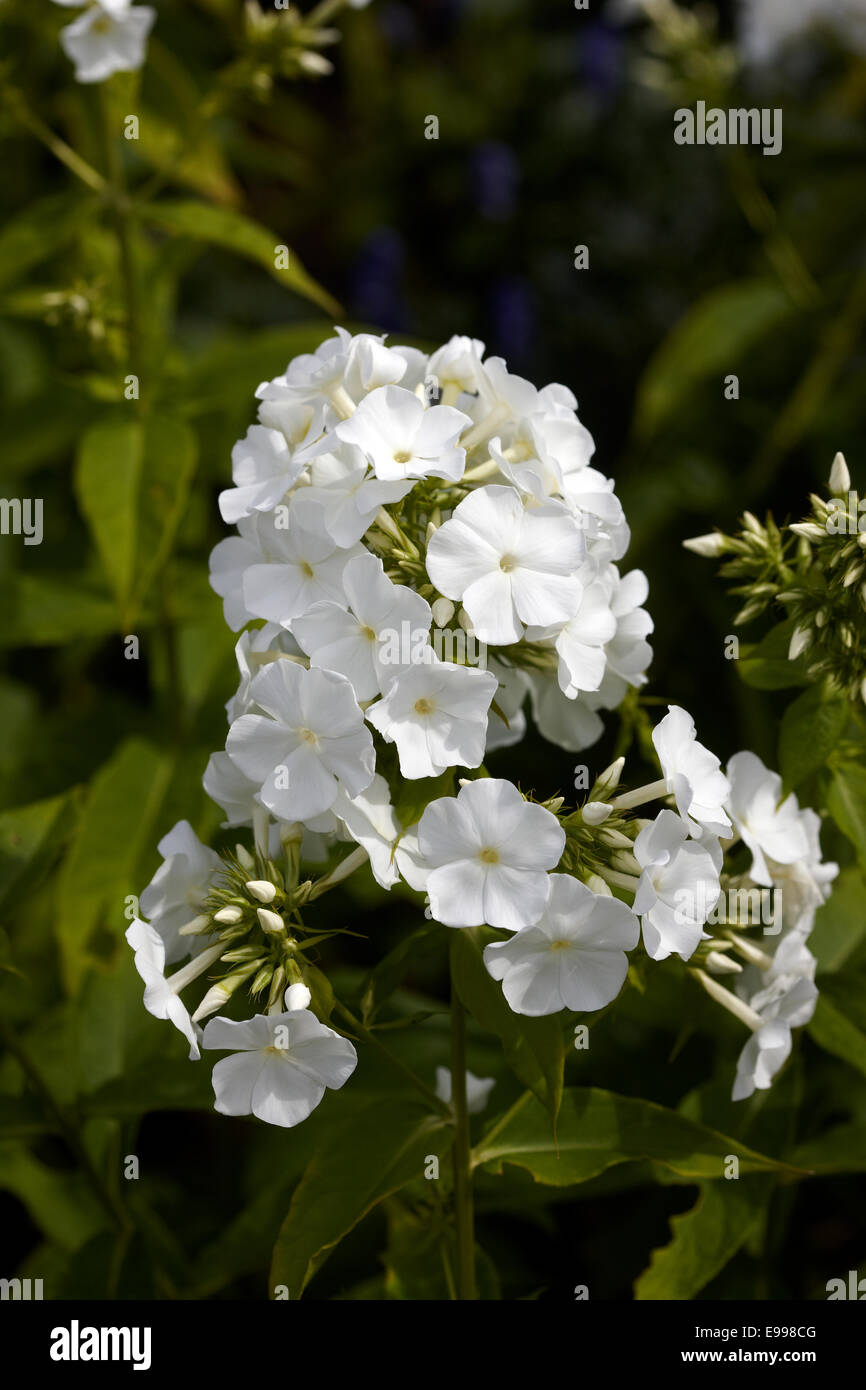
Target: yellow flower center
x,y
489,856
507,563
424,706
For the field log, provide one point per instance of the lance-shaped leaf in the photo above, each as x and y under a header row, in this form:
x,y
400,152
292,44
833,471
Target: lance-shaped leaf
x,y
117,827
597,1129
372,1156
225,227
132,482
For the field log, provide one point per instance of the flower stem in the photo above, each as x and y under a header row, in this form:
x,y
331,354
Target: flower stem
x,y
121,209
59,148
368,1037
466,1289
69,1130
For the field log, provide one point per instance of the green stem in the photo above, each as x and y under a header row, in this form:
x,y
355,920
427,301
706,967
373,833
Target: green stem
x,y
68,1129
59,148
122,217
762,218
504,1120
462,1152
409,1075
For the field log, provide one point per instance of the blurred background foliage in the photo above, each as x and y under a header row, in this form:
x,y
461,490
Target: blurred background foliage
x,y
703,262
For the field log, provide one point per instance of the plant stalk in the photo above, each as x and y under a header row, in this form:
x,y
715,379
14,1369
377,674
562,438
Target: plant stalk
x,y
463,1206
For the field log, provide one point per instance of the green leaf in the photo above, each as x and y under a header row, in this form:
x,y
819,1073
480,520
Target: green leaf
x,y
412,797
22,1117
841,1150
597,1129
374,1155
163,1086
840,923
26,833
834,1030
534,1047
116,829
233,231
846,802
132,483
704,1239
421,1258
391,969
227,370
41,233
59,1202
712,338
46,610
811,728
765,665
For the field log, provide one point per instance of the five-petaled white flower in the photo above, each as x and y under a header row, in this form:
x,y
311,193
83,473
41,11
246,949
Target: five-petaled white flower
x,y
310,739
489,853
508,565
573,958
280,1067
353,637
303,566
436,713
404,439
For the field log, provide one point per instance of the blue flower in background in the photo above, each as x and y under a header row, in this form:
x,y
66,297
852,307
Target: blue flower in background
x,y
599,59
495,176
377,280
512,316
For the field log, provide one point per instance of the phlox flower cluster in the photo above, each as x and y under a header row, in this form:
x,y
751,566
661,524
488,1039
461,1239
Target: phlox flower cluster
x,y
384,501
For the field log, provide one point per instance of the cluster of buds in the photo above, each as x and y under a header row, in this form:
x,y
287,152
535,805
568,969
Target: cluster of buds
x,y
816,573
252,923
283,43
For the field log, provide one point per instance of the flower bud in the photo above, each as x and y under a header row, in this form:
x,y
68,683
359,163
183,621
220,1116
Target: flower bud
x,y
808,530
270,921
801,639
594,812
244,857
710,547
443,611
840,478
297,997
228,915
261,889
718,964
607,781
